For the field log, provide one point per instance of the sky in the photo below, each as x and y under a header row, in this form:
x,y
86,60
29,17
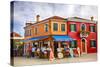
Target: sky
x,y
24,11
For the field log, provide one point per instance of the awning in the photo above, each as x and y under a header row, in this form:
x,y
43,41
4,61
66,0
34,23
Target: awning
x,y
38,38
62,38
55,37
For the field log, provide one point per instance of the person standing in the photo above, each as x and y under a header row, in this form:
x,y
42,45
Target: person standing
x,y
78,50
33,51
71,52
38,51
51,57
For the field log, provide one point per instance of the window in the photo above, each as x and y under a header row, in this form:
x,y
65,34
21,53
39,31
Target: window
x,y
55,26
25,33
46,27
62,27
92,29
92,43
83,27
30,32
73,44
35,30
73,27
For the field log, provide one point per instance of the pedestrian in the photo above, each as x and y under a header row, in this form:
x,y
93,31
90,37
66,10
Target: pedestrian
x,y
51,57
78,50
38,51
33,51
71,52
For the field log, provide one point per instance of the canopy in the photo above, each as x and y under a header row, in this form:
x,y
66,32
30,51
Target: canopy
x,y
38,38
62,38
55,37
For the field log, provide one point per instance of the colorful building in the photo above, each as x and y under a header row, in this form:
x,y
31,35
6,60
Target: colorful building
x,y
57,32
84,33
48,32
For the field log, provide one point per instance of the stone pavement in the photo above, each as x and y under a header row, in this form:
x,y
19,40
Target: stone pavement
x,y
20,61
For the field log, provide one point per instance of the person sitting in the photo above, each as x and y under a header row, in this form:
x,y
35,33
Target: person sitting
x,y
66,48
44,52
48,51
59,53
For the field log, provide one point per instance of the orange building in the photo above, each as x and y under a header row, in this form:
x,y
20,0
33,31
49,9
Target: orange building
x,y
50,32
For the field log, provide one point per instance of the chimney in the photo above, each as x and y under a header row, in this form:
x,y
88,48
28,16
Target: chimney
x,y
92,18
37,18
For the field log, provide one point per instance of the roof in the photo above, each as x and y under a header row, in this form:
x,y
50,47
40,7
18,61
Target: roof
x,y
53,17
78,19
14,34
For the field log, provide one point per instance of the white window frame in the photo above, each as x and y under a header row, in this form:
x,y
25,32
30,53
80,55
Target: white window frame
x,y
58,26
61,27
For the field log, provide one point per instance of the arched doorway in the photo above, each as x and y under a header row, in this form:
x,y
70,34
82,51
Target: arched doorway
x,y
83,46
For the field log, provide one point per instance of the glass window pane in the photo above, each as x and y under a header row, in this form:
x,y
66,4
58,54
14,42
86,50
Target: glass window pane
x,y
55,27
73,27
62,27
46,27
92,28
93,43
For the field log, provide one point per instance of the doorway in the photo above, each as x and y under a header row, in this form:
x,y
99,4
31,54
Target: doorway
x,y
84,49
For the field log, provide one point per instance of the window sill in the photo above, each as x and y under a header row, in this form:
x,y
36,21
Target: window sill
x,y
73,31
93,47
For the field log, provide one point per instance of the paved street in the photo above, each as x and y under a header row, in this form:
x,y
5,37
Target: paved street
x,y
20,61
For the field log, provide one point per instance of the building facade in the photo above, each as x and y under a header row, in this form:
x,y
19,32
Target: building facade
x,y
50,32
84,33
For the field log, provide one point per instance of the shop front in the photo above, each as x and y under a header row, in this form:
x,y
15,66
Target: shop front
x,y
57,43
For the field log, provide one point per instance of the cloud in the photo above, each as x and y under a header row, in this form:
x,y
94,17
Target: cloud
x,y
27,11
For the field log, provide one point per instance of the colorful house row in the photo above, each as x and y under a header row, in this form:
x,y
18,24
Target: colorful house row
x,y
56,32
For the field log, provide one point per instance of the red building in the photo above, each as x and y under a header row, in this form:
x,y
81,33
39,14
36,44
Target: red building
x,y
84,33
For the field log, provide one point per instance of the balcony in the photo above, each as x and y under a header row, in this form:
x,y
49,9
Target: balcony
x,y
84,34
